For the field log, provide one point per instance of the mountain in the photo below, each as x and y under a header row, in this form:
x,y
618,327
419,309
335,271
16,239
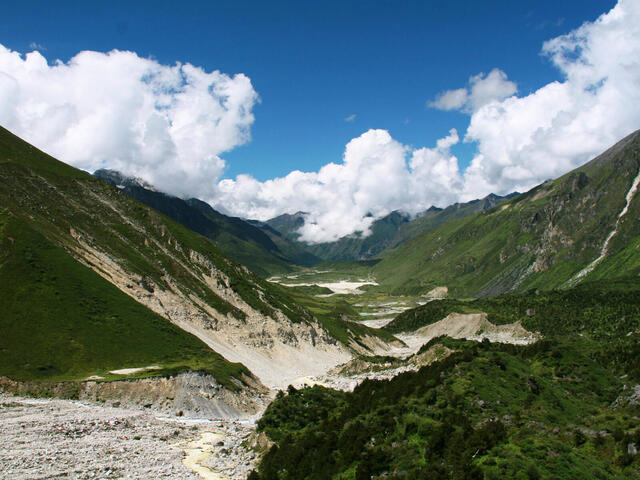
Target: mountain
x,y
435,217
357,247
294,251
93,280
546,238
386,233
237,238
287,224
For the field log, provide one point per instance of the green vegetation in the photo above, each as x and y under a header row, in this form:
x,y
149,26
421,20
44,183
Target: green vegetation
x,y
539,239
487,411
604,308
65,204
61,321
554,409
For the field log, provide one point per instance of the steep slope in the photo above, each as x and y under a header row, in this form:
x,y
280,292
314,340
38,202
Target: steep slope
x,y
174,272
435,217
237,238
62,321
540,239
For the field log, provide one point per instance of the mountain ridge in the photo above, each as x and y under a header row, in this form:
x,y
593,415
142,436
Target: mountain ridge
x,y
539,239
168,269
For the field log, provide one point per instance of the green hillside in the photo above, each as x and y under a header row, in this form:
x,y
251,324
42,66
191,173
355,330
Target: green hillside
x,y
81,251
560,408
237,238
540,239
77,211
61,321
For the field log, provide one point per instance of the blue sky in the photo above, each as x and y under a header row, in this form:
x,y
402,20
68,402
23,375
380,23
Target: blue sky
x,y
316,63
245,105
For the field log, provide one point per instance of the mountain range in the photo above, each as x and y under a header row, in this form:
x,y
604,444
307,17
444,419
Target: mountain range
x,y
527,369
83,263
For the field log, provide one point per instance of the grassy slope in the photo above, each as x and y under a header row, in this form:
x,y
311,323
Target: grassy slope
x,y
238,239
52,199
547,410
61,321
539,239
434,218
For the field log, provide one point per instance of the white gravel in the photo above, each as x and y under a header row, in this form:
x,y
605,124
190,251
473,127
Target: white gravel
x,y
65,439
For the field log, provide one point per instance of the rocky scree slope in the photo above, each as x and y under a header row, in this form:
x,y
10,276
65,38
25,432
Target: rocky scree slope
x,y
172,271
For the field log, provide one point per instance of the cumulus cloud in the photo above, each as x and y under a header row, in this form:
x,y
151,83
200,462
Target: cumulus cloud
x,y
167,124
482,90
522,141
170,124
377,175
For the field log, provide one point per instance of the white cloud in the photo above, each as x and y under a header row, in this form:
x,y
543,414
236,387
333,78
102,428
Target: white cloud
x,y
450,100
483,89
523,141
170,124
350,118
167,124
378,175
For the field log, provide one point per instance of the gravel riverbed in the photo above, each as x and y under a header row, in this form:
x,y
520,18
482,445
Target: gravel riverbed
x,y
51,438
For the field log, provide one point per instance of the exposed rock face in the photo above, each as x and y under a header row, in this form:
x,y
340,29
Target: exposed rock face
x,y
190,394
472,326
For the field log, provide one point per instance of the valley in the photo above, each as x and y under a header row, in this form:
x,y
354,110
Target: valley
x,y
479,340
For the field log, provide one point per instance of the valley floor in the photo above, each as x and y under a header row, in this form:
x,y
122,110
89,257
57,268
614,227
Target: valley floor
x,y
50,438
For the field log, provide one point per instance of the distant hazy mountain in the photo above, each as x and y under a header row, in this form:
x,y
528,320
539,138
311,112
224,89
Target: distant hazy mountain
x,y
386,233
237,238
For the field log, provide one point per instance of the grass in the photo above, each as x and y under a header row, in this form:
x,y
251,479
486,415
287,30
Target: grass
x,y
61,321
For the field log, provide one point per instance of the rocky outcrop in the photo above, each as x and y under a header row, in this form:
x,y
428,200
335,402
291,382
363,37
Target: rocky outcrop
x,y
187,394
